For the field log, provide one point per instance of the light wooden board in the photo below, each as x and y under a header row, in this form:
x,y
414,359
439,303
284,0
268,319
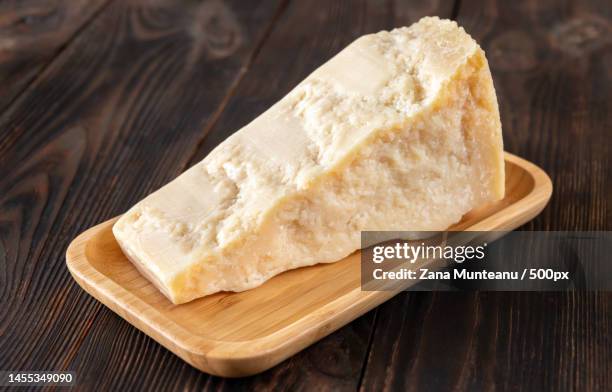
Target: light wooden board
x,y
238,334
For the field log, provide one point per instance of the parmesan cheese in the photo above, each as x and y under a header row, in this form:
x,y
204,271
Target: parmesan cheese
x,y
399,131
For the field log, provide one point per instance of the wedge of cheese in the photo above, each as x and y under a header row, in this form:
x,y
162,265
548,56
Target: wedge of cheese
x,y
399,131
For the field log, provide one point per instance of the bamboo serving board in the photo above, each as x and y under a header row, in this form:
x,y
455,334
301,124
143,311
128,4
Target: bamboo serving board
x,y
238,334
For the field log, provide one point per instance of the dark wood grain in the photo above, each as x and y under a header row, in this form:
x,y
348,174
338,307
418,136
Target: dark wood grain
x,y
32,33
306,35
107,103
117,109
492,341
551,67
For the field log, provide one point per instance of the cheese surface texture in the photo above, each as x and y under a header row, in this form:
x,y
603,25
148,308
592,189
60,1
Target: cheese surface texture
x,y
399,131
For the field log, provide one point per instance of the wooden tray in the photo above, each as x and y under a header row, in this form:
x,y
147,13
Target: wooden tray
x,y
238,334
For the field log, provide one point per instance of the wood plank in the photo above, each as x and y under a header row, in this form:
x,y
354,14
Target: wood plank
x,y
551,67
487,341
141,81
307,34
32,34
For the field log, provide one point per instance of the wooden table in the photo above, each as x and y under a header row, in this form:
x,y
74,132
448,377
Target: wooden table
x,y
104,101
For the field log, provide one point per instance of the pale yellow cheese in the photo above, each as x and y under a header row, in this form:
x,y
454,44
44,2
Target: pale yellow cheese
x,y
399,131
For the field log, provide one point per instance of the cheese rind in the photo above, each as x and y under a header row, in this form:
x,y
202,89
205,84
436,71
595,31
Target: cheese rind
x,y
399,131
